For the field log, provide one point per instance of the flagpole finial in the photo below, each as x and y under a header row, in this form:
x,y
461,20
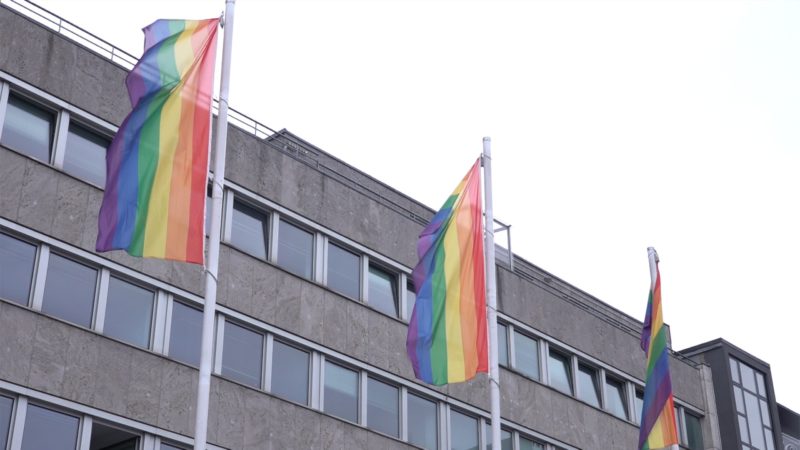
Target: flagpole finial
x,y
652,251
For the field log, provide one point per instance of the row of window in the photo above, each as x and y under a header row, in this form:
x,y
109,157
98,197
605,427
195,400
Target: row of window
x,y
27,425
752,407
542,361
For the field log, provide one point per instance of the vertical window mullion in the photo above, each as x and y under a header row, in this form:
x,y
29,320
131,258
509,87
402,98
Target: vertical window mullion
x,y
101,301
601,380
268,363
362,398
219,344
444,425
321,259
573,377
60,140
320,382
402,297
159,337
512,350
403,413
544,353
364,279
630,389
316,380
274,226
85,437
40,277
227,215
18,424
3,102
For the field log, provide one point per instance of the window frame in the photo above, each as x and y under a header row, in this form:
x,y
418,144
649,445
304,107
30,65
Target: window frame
x,y
394,281
37,102
263,216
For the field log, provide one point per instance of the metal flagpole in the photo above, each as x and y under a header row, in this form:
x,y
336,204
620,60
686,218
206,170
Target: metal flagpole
x,y
491,293
212,259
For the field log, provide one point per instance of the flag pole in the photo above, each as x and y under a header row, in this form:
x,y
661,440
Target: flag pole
x,y
212,259
491,294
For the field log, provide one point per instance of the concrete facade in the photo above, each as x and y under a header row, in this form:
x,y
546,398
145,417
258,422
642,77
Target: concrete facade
x,y
51,361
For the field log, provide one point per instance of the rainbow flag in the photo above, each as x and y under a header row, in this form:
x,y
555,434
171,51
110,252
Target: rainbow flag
x,y
157,164
446,340
657,427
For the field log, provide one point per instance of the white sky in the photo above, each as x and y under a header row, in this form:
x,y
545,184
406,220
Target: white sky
x,y
616,125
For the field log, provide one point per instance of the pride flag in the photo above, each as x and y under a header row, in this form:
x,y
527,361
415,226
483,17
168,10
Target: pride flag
x,y
157,164
446,340
657,427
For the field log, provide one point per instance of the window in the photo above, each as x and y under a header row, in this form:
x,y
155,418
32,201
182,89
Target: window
x,y
344,271
186,333
289,373
422,422
85,155
382,291
170,447
502,345
341,392
752,407
694,434
638,404
295,249
129,313
28,129
526,355
560,373
47,429
506,443
411,299
16,269
463,431
615,398
249,230
587,385
527,444
69,290
110,438
383,407
5,419
242,355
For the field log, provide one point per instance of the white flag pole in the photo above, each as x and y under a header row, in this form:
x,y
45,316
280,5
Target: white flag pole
x,y
212,259
491,294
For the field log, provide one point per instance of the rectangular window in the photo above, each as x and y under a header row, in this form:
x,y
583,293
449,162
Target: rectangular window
x,y
16,269
341,392
560,373
242,355
186,332
502,345
526,355
527,444
463,431
85,155
28,129
506,443
69,290
383,407
382,291
754,420
6,405
344,271
249,230
129,312
289,373
109,438
422,422
411,299
694,433
165,446
638,404
587,385
615,398
749,391
295,249
47,429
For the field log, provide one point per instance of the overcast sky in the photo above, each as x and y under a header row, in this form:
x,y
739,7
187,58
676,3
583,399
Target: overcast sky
x,y
615,125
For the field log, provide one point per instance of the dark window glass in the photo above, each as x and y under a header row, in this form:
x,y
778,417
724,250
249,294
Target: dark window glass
x,y
28,129
502,345
289,373
69,290
694,434
463,431
739,399
764,413
748,377
422,422
734,370
753,419
85,155
743,429
615,398
249,230
186,332
411,300
638,404
505,438
110,438
341,392
587,385
526,355
762,389
382,291
558,367
170,447
527,444
129,313
46,429
383,407
295,249
344,271
16,269
6,405
242,355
